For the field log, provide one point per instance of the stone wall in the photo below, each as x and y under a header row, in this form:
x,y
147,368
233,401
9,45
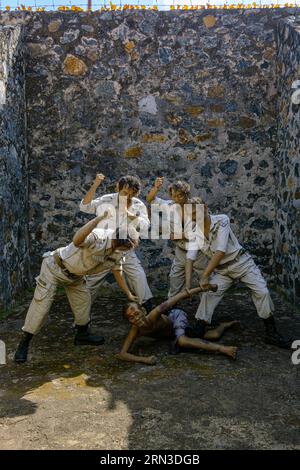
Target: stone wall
x,y
188,95
287,246
14,261
184,95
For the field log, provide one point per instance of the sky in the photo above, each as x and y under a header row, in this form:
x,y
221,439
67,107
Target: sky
x,y
162,4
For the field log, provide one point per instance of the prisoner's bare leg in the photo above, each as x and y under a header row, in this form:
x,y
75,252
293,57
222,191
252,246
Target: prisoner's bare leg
x,y
197,343
214,334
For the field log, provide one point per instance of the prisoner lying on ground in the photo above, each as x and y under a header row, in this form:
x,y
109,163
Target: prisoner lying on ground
x,y
92,250
157,324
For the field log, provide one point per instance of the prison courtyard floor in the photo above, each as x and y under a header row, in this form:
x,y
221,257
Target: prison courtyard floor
x,y
70,397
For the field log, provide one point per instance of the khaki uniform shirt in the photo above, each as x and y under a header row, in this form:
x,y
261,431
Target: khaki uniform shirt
x,y
168,207
220,238
93,256
99,205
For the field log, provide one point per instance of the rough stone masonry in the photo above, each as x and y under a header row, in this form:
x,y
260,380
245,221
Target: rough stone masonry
x,y
14,247
200,95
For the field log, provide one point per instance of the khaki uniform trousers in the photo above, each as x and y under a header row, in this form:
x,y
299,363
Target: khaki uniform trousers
x,y
245,270
51,276
177,273
134,274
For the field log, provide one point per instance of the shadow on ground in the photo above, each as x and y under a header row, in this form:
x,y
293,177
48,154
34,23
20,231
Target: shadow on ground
x,y
69,397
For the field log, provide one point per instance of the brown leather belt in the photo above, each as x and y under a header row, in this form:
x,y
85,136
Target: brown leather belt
x,y
60,263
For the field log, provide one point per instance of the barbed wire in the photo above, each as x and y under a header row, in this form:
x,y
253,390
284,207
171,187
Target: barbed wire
x,y
66,5
176,4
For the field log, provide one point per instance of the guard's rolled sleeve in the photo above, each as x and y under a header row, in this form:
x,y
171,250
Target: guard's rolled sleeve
x,y
90,208
97,240
89,241
223,235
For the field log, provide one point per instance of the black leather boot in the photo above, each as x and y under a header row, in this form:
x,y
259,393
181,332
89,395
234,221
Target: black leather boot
x,y
196,331
273,337
22,350
84,336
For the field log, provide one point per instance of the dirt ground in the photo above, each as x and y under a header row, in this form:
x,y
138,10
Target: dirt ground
x,y
70,397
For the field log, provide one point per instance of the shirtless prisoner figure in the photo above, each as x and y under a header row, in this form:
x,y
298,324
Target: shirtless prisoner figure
x,y
158,324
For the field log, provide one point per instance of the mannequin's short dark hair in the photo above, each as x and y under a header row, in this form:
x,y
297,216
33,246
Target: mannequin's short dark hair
x,y
133,182
180,186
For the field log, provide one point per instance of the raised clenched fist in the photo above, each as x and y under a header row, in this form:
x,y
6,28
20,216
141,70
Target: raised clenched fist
x,y
99,178
159,182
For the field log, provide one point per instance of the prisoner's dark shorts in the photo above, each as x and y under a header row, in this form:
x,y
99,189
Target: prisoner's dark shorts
x,y
179,321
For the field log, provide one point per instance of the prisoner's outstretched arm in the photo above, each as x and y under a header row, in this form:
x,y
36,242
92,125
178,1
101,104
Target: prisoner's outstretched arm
x,y
128,357
124,355
92,191
157,311
84,231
